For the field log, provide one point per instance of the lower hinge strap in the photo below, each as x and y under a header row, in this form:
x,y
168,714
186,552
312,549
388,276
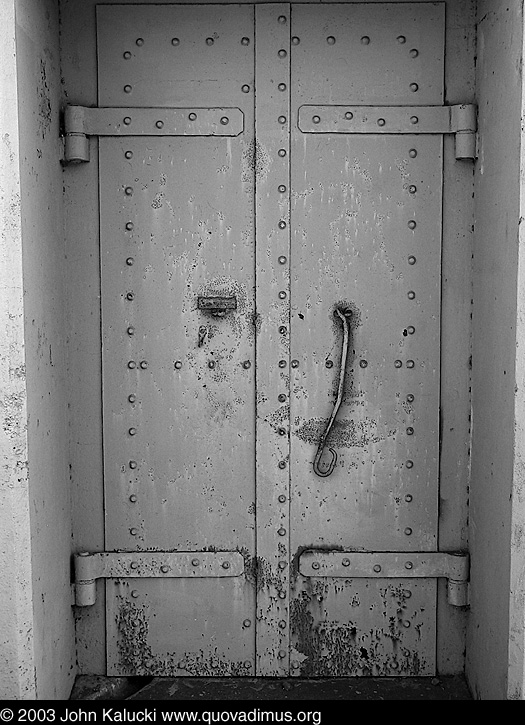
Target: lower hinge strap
x,y
397,565
160,564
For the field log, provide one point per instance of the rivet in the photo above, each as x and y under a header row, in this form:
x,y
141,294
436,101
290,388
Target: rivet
x,y
127,55
406,624
130,261
132,365
410,363
281,398
177,365
408,531
363,363
247,623
411,329
283,330
192,116
126,120
129,225
295,665
159,124
330,40
316,565
408,497
414,120
225,564
282,624
134,593
225,120
282,224
412,224
282,119
245,41
365,40
133,498
134,532
128,190
377,568
282,363
381,121
175,41
282,152
401,39
130,296
248,664
316,119
282,464
209,41
132,398
412,153
398,364
281,431
282,654
246,364
281,188
414,87
414,53
282,295
282,530
140,41
411,260
282,53
132,431
329,363
282,260
282,498
407,593
410,431
195,562
128,155
410,398
296,40
409,565
295,363
281,87
211,364
282,565
127,89
133,464
409,464
164,569
281,19
282,595
412,189
143,364
245,88
411,295
134,565
349,115
346,562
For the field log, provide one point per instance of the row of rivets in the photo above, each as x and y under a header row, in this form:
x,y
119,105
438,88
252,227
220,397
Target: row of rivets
x,y
164,568
127,121
142,365
246,364
176,41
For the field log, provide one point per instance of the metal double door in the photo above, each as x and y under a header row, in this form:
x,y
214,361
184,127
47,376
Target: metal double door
x,y
271,325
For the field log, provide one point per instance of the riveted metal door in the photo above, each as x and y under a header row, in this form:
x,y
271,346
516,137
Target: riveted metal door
x,y
244,219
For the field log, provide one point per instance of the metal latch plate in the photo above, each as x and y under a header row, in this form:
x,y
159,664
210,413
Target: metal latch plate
x,y
218,305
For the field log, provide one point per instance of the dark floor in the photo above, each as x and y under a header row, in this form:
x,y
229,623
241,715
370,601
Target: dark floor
x,y
204,689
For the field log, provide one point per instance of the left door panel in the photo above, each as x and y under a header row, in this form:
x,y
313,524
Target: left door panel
x,y
178,377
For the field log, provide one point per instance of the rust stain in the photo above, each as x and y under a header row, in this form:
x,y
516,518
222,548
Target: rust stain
x,y
345,433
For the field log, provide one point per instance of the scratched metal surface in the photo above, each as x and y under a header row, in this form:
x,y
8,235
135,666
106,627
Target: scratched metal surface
x,y
356,224
176,224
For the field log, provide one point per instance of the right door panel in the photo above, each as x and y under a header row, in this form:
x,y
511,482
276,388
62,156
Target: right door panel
x,y
366,240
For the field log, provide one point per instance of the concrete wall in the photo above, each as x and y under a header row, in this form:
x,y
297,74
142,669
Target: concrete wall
x,y
494,393
33,360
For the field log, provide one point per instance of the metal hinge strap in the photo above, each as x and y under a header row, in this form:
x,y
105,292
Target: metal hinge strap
x,y
398,565
108,565
460,120
81,122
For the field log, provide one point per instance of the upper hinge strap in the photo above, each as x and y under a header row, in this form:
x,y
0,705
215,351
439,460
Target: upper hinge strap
x,y
81,122
460,120
191,565
387,564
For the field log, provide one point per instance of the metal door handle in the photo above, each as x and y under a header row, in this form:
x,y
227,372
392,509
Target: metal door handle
x,y
345,316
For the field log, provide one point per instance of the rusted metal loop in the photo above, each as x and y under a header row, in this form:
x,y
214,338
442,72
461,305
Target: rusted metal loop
x,y
344,316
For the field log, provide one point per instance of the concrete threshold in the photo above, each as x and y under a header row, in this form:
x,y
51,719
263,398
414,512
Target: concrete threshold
x,y
214,688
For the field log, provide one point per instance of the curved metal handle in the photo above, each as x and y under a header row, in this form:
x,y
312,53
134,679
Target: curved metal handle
x,y
345,316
